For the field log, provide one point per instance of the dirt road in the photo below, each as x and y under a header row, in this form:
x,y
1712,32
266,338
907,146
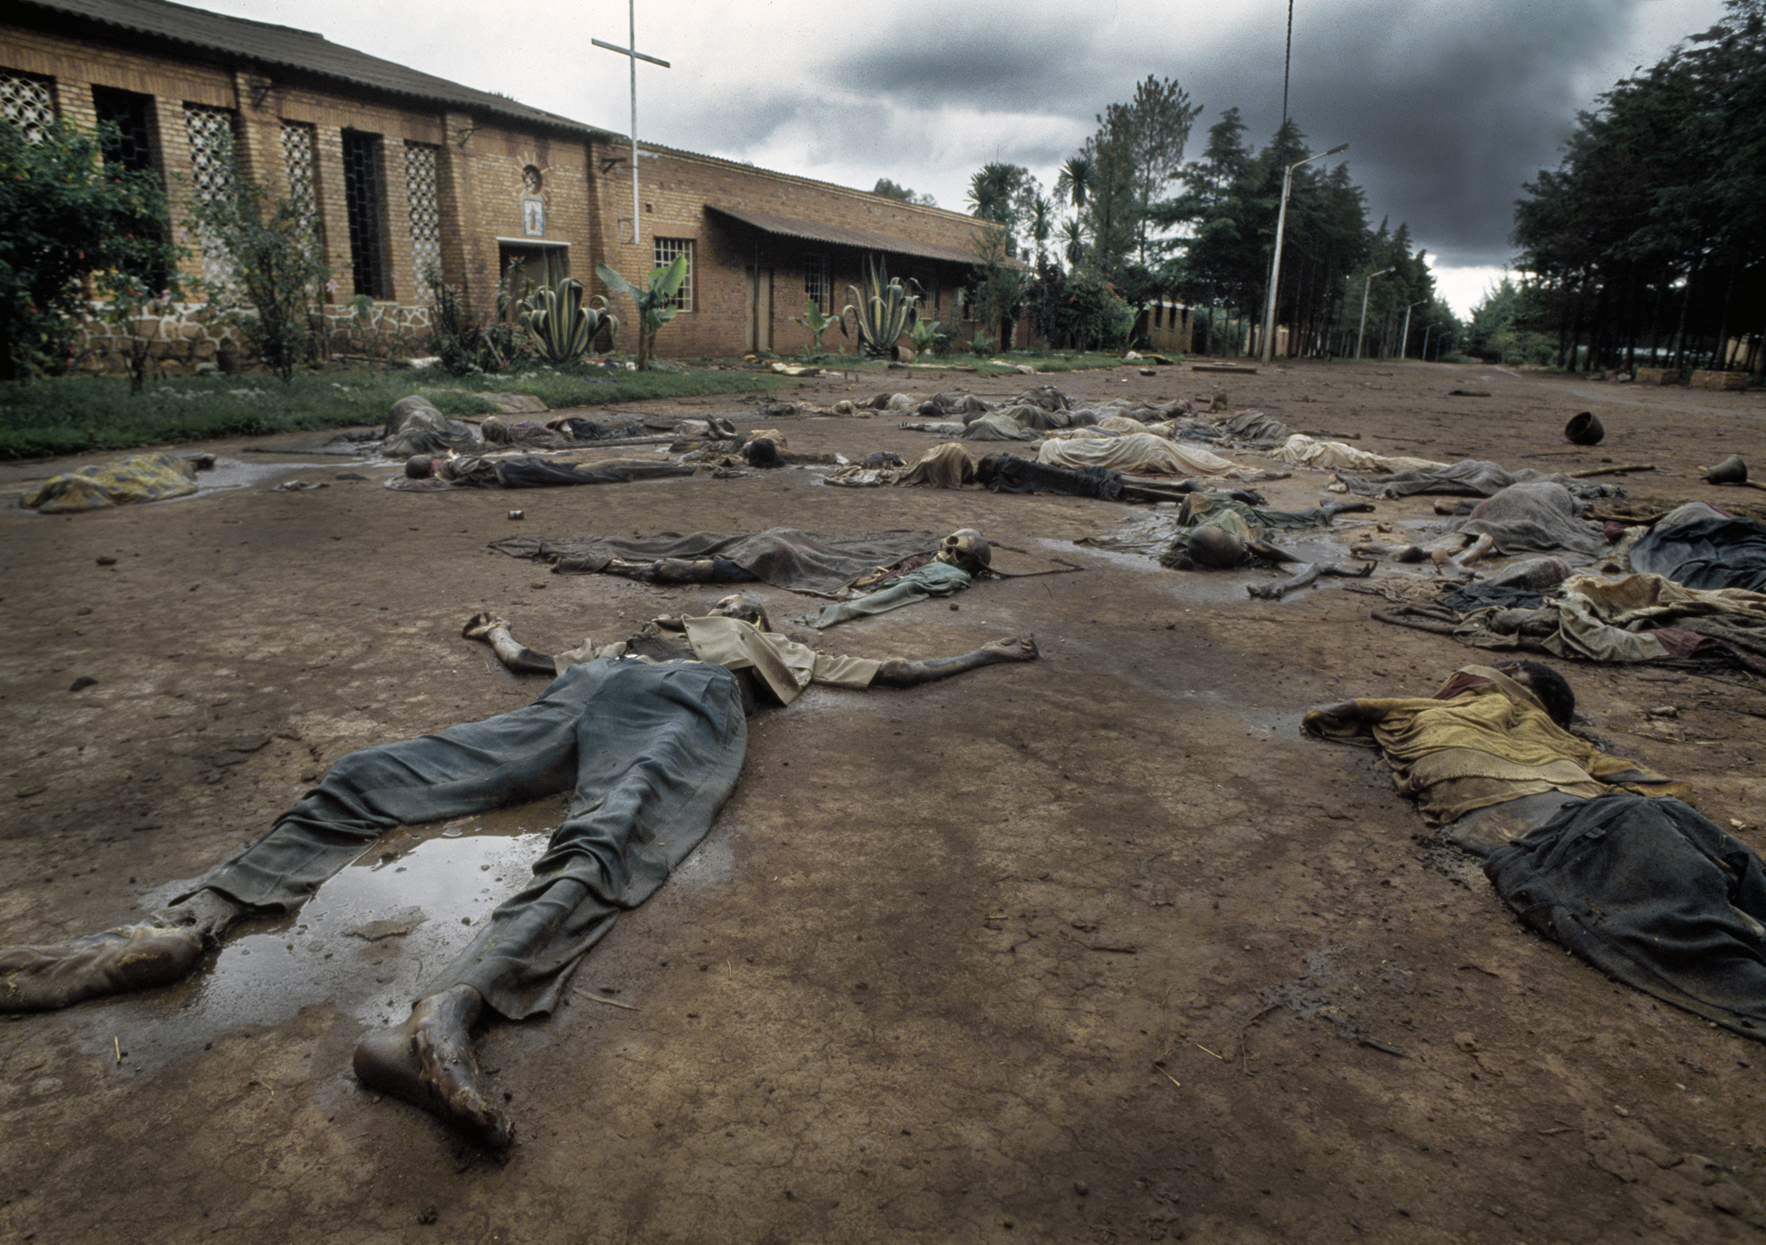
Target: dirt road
x,y
1096,948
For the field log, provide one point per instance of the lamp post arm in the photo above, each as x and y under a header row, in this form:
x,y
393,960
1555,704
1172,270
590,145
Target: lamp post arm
x,y
1275,263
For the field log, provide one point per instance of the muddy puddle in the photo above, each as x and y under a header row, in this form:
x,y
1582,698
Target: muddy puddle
x,y
366,944
231,473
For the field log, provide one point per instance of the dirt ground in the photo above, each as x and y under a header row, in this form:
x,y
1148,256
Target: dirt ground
x,y
1097,948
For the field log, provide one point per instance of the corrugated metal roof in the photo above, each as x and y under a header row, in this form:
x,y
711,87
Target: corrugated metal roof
x,y
283,47
818,231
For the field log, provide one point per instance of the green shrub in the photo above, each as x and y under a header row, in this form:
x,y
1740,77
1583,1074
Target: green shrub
x,y
275,265
66,215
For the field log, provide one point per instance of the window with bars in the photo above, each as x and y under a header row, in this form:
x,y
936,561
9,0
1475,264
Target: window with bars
x,y
300,150
210,131
27,102
130,145
425,201
362,200
666,250
125,119
817,287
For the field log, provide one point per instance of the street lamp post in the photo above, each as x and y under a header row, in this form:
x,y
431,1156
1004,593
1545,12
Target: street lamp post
x,y
1367,286
1426,332
1275,265
1404,344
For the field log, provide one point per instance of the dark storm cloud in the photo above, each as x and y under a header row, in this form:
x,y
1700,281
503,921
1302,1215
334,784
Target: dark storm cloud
x,y
990,64
1450,105
1447,115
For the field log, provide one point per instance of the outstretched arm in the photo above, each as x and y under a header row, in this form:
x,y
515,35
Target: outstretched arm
x,y
510,651
898,672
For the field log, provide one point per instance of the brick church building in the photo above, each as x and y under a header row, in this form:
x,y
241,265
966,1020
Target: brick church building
x,y
404,171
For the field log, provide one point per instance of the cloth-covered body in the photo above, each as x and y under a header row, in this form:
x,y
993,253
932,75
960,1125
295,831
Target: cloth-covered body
x,y
1536,516
1300,450
1138,453
1701,547
1256,427
1469,478
934,579
822,565
650,753
415,426
943,466
1653,893
1481,740
140,477
996,426
1010,474
1203,510
532,471
1625,618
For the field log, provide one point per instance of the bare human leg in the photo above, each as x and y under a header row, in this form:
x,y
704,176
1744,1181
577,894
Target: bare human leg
x,y
428,1062
163,949
1457,566
897,672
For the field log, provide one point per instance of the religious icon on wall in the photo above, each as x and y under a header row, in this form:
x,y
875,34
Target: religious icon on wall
x,y
533,217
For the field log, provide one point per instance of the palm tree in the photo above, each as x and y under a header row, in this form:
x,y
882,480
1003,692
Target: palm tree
x,y
1042,220
990,193
1073,243
1074,183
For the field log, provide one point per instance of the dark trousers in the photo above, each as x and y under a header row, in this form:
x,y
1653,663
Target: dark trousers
x,y
651,752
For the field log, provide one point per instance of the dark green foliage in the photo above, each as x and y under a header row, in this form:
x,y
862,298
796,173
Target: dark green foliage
x,y
654,301
66,215
1648,241
1124,170
998,286
1503,327
1078,310
466,342
890,190
1008,196
275,268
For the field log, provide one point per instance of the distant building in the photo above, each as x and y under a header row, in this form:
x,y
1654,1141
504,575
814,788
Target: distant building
x,y
404,172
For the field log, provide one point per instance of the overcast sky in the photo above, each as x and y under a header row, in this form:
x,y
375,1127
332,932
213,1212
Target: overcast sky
x,y
1448,105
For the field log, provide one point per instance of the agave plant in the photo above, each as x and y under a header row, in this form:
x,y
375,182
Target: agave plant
x,y
655,302
563,323
883,314
815,322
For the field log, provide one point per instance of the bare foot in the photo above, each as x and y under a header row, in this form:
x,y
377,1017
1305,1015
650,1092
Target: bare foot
x,y
1013,648
1449,566
157,952
118,961
428,1062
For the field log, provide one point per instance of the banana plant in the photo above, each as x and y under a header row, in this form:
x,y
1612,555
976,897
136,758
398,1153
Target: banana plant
x,y
926,336
883,313
655,303
815,322
562,323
